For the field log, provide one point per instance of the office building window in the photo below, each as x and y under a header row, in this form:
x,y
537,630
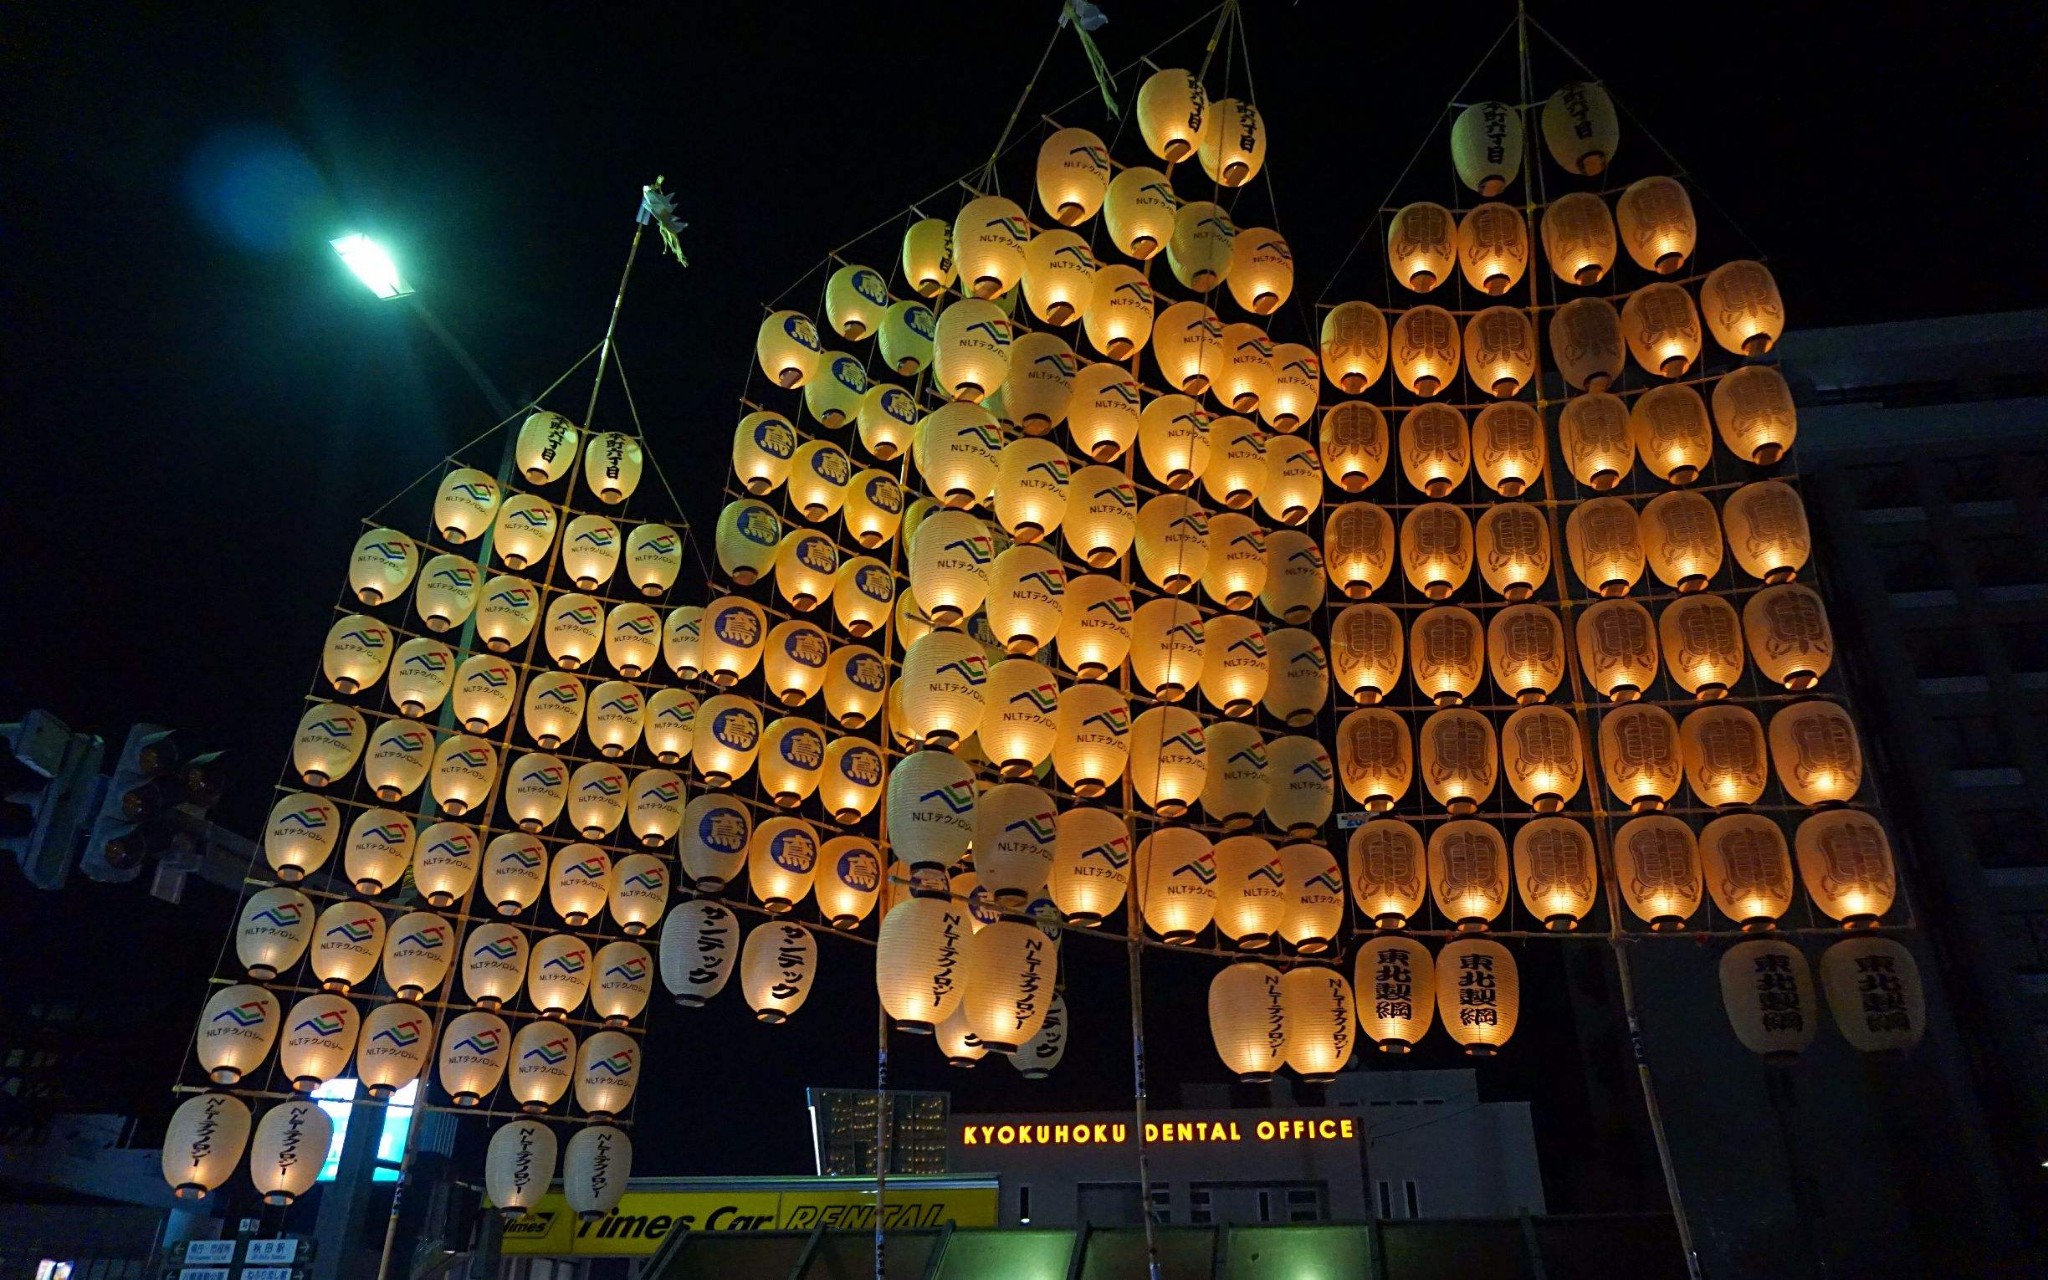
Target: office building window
x,y
2007,836
1386,1198
1970,479
1910,566
1162,1205
1414,1205
1023,1206
1882,487
1305,1204
2003,559
1201,1207
1970,741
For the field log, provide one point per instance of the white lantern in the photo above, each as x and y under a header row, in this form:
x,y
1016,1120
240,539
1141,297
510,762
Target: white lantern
x,y
1389,871
1168,647
728,738
1321,1021
1261,270
1018,724
203,1143
1026,598
612,464
357,650
1013,841
920,962
396,1040
474,1050
519,1166
319,1036
1294,576
782,859
1236,571
419,949
777,967
1119,316
792,760
590,551
1012,976
272,931
300,834
849,879
1095,625
930,809
1173,440
699,947
1073,174
1234,664
950,557
382,564
1301,786
236,1031
971,349
1101,517
1169,759
379,847
1248,1020
446,865
595,1169
1173,541
328,743
558,975
347,940
493,964
422,672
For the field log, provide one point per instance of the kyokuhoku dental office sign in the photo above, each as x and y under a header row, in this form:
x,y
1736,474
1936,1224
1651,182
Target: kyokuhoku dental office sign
x,y
1174,1128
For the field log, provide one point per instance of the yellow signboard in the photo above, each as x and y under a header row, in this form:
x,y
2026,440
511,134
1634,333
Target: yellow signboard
x,y
644,1218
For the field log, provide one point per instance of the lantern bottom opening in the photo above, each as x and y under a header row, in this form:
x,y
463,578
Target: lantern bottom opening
x,y
1801,680
1605,478
844,922
716,780
489,1003
1317,1077
777,906
1084,919
913,1026
1388,921
1312,945
1768,454
306,1084
1438,590
1254,941
441,898
1028,531
690,1001
1255,1077
1033,1073
1480,1050
773,1017
1668,924
788,799
340,986
1017,768
1448,698
745,576
1529,697
1549,802
1759,924
1560,923
1682,475
1647,804
964,1063
1862,920
1471,924
1177,937
1020,646
1395,1046
1624,693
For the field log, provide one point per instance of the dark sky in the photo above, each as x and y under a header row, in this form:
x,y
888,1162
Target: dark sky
x,y
201,404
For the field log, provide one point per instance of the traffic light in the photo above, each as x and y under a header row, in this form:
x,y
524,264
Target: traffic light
x,y
126,831
50,776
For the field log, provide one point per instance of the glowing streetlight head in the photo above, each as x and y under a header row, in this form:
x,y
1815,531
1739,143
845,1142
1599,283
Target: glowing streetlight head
x,y
372,265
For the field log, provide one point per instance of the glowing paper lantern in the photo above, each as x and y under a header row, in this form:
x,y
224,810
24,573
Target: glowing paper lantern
x,y
1040,387
1199,251
1768,993
1436,548
1514,549
1261,272
1586,342
597,799
1748,869
1493,252
1167,652
1682,539
1315,898
682,639
1173,113
957,1041
484,689
930,809
1138,211
1395,981
1742,306
328,743
1036,1057
1234,792
1297,382
1468,872
988,239
1173,541
1767,530
1606,545
699,947
612,463
1248,377
1486,146
862,591
545,447
874,507
1248,1020
1095,625
446,865
1059,276
1012,974
944,681
1103,414
1027,598
1788,635
777,967
1753,408
849,880
1657,867
1446,653
1091,732
1177,883
379,847
1662,328
505,617
272,932
1593,431
1366,650
1321,1021
928,257
1508,448
1301,789
1436,448
1173,440
579,881
1072,175
574,631
357,650
1018,724
1090,866
1657,224
1846,864
787,347
1389,871
1618,648
920,962
1640,755
855,298
804,567
1478,994
746,540
1233,144
493,966
1556,872
851,782
1294,480
855,678
1353,442
512,872
1873,989
382,565
1525,649
595,1169
520,1164
1579,238
950,557
1818,758
1672,432
1294,576
1376,756
971,348
1540,748
887,414
392,1050
1169,759
203,1143
655,805
1422,245
1702,640
1298,682
558,975
319,1036
590,551
727,739
1236,571
300,835
782,859
795,662
1118,319
1460,758
236,1031
474,1050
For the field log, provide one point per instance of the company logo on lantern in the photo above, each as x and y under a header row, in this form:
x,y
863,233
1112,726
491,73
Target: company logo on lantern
x,y
1117,607
470,758
599,537
526,859
667,792
428,938
389,833
1188,631
367,639
552,1054
1115,719
333,728
1254,756
583,615
1254,644
1122,492
550,775
561,695
313,819
569,962
285,915
459,576
648,880
1202,868
484,1042
661,544
492,677
1052,581
1271,871
589,868
626,704
453,847
248,1014
634,970
432,660
617,1065
1191,739
608,787
497,949
637,626
409,741
1318,768
1327,881
972,669
958,797
531,517
402,1034
1038,827
1117,852
356,931
1043,696
389,552
681,713
326,1024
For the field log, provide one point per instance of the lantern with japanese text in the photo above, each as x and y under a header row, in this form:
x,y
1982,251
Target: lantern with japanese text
x,y
1394,980
1478,994
1657,867
1389,871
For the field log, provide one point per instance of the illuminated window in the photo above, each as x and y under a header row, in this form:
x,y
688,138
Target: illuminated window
x,y
336,1098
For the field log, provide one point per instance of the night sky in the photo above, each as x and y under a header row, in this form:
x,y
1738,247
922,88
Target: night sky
x,y
202,404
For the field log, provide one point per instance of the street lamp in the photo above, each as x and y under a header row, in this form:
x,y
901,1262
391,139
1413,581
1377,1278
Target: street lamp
x,y
372,265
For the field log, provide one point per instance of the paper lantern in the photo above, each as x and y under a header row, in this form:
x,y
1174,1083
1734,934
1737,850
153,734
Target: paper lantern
x,y
597,799
1261,272
1173,541
612,464
1508,448
1874,990
1090,866
1248,1020
1294,576
632,638
1027,598
300,835
595,1169
236,1031
1671,431
1199,251
1167,652
396,760
1395,981
590,551
874,508
1236,569
887,414
1818,758
1468,871
545,447
1788,635
1095,625
1090,736
520,1164
1593,430
328,742
1366,650
699,947
1556,872
944,680
855,679
379,848
1031,488
1138,210
1446,653
795,663
777,968
1640,755
1579,239
1354,355
1103,415
1314,898
1389,871
855,298
1012,975
862,591
1235,788
474,1051
484,688
394,1045
1493,252
1682,539
357,650
732,639
493,966
1018,725
1173,440
447,862
782,859
1540,749
928,259
787,347
682,637
1072,175
1059,276
423,670
728,737
1460,758
849,879
1581,128
1297,382
538,791
1436,548
1353,443
512,874
319,1037
1248,377
1768,993
1525,649
1657,867
1478,994
957,1041
1294,480
1767,530
1173,113
746,540
1321,1021
818,475
971,348
930,811
505,617
1036,1057
382,565
273,930
654,804
804,567
543,1061
950,557
1169,759
1657,224
1436,449
988,240
1486,146
1118,319
851,779
447,591
1846,864
1662,328
1300,791
1514,548
1040,388
574,631
1754,410
1177,878
1376,756
579,881
1233,143
1586,342
1298,682
1618,648
1748,869
203,1143
558,975
1422,245
920,962
1702,641
1606,546
1742,307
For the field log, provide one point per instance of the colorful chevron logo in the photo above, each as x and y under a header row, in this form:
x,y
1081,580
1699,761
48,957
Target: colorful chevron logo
x,y
499,949
492,677
1045,697
552,1054
247,1014
569,962
561,695
1253,644
531,517
1271,871
1052,581
1116,852
326,1024
285,915
355,931
525,859
1258,347
1202,868
404,1035
1055,467
679,713
470,758
389,833
1122,491
583,615
368,639
1253,755
430,660
1327,881
1191,739
455,575
1319,768
1117,607
633,970
1063,365
1077,252
980,548
989,437
648,880
484,1043
661,544
642,626
973,668
547,775
312,818
1188,631
1194,521
458,846
997,332
333,727
1137,289
598,536
605,785
389,552
666,792
626,704
589,869
1038,828
1253,539
958,797
619,1064
427,938
1115,719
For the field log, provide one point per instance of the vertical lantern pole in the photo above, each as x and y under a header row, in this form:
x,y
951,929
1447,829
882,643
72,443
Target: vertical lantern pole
x,y
604,349
1603,849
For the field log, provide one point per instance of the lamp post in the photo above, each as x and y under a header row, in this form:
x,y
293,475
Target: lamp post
x,y
372,263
